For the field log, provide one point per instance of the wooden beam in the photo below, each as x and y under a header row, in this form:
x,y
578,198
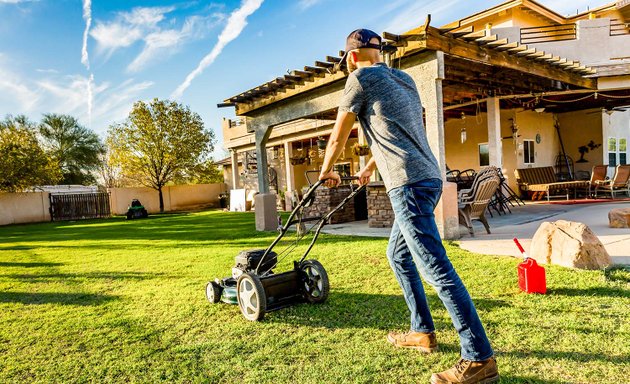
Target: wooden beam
x,y
316,71
244,108
506,46
462,32
333,59
324,64
487,39
474,35
437,42
498,43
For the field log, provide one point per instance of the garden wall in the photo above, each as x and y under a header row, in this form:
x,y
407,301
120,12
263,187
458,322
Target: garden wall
x,y
30,207
176,197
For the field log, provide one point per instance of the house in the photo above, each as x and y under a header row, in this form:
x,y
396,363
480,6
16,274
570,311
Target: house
x,y
515,86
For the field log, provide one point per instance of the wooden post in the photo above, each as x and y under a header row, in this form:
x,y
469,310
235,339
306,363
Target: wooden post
x,y
235,173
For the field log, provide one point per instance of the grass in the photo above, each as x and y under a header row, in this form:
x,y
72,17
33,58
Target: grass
x,y
117,301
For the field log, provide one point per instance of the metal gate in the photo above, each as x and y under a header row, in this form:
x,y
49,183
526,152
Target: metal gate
x,y
78,206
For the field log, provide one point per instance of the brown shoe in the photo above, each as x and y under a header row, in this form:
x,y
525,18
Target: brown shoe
x,y
424,342
469,372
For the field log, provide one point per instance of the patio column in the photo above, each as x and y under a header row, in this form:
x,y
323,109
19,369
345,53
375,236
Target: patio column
x,y
264,202
235,173
288,153
495,145
428,74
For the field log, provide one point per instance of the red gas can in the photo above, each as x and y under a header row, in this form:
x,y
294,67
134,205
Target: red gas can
x,y
531,276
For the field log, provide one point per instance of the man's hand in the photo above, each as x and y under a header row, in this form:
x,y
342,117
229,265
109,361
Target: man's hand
x,y
331,178
364,175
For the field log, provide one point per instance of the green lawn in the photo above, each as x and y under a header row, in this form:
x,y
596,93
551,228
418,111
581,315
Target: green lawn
x,y
117,301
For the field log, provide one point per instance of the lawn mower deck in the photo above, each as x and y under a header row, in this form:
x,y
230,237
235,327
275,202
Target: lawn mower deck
x,y
254,286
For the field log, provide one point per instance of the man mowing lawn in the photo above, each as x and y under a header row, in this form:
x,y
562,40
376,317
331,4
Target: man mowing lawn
x,y
388,106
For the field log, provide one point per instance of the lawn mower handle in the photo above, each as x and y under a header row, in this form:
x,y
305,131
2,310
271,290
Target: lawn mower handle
x,y
309,195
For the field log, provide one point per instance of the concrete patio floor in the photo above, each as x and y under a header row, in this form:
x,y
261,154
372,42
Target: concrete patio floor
x,y
523,223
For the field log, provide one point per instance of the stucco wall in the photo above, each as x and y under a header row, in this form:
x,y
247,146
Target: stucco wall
x,y
466,155
579,128
178,197
31,207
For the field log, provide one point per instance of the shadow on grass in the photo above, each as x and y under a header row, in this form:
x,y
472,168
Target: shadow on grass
x,y
80,276
593,291
581,357
28,265
507,379
359,310
81,299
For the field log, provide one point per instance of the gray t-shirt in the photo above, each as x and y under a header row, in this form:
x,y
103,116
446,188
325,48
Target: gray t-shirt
x,y
388,106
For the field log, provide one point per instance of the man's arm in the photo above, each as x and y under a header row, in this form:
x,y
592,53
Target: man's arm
x,y
365,174
336,143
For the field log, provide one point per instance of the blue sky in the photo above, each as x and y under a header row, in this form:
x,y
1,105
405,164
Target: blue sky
x,y
197,52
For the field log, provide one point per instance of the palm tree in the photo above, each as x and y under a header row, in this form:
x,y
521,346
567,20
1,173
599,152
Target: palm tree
x,y
75,147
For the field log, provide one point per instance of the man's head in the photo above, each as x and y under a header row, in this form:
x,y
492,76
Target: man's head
x,y
362,46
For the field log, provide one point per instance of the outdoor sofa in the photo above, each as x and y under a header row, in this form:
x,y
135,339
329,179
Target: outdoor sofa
x,y
541,182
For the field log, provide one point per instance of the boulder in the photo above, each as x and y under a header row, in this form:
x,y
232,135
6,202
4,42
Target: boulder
x,y
570,244
619,218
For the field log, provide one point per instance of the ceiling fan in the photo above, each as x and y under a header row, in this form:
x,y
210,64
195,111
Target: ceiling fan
x,y
609,111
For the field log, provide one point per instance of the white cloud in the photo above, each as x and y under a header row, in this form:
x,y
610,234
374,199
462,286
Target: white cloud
x,y
163,43
77,95
235,25
16,1
87,16
413,15
127,28
305,4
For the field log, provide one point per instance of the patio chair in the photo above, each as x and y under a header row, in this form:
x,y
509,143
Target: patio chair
x,y
482,174
620,183
473,207
598,174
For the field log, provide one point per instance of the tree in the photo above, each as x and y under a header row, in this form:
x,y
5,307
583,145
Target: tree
x,y
159,142
24,162
75,147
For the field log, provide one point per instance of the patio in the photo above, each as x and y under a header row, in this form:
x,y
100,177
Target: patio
x,y
523,223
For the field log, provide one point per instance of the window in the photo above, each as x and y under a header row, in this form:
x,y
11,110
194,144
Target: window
x,y
343,169
612,152
528,151
623,151
484,155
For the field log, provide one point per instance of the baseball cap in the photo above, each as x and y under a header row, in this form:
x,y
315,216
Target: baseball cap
x,y
360,38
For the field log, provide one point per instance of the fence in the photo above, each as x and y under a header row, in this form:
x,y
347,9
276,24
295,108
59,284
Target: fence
x,y
18,208
176,197
79,206
548,33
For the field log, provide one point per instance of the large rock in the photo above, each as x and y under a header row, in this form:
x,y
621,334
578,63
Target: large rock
x,y
569,244
619,218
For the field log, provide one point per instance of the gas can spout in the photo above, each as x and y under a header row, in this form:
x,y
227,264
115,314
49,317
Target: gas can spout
x,y
520,248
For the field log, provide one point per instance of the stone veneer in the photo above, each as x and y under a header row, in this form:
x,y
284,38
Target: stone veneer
x,y
328,198
380,213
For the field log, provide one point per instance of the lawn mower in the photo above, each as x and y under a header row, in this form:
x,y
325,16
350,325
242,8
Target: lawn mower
x,y
257,289
136,210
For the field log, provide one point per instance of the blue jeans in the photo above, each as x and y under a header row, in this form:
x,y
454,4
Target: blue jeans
x,y
414,245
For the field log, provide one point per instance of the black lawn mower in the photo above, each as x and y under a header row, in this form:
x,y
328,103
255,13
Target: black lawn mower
x,y
136,210
257,289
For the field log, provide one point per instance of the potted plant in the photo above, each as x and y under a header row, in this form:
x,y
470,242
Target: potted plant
x,y
361,149
321,142
312,153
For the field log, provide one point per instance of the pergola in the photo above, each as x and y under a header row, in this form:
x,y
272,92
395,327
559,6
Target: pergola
x,y
452,69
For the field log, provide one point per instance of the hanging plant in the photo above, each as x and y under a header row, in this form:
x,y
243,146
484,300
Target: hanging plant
x,y
321,143
361,149
312,153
